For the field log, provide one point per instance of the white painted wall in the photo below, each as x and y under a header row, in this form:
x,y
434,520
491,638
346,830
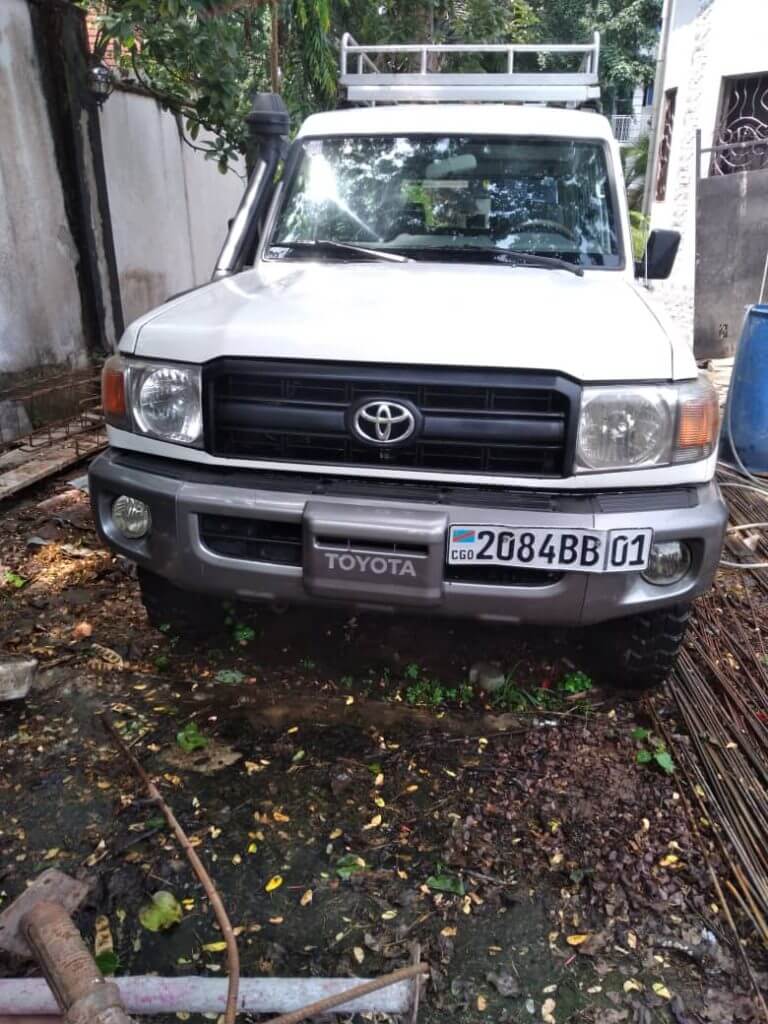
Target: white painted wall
x,y
169,205
40,311
709,40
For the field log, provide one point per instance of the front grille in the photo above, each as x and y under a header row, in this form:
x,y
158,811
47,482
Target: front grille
x,y
493,422
256,540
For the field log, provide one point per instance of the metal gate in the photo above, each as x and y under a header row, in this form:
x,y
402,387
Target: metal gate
x,y
731,240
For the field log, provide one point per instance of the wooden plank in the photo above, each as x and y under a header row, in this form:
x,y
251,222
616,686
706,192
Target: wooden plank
x,y
45,462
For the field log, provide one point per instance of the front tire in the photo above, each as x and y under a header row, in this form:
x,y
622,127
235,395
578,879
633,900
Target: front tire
x,y
179,612
641,651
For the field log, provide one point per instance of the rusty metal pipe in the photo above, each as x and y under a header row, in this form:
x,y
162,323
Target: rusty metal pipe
x,y
80,989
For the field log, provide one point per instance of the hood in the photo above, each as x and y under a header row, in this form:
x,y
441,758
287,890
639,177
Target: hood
x,y
593,328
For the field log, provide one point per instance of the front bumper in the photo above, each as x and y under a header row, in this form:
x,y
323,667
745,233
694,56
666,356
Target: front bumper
x,y
387,522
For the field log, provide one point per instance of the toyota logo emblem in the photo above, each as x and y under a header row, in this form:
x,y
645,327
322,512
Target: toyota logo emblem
x,y
384,422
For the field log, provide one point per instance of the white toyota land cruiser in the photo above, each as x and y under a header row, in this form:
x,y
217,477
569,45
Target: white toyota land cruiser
x,y
423,378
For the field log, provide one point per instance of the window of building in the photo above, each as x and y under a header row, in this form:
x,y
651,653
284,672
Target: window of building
x,y
665,144
741,135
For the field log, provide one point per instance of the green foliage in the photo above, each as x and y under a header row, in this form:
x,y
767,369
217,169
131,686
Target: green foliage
x,y
229,676
199,58
203,58
628,30
576,682
190,738
434,694
12,579
163,912
107,961
653,751
348,865
243,634
443,882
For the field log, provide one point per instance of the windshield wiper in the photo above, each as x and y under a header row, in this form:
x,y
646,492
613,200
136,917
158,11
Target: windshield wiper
x,y
327,244
512,256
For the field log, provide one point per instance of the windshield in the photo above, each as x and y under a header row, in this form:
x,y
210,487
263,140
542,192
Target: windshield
x,y
527,195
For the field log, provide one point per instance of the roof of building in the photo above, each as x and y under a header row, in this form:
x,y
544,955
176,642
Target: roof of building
x,y
459,119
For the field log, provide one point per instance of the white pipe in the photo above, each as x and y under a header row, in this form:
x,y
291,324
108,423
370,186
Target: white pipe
x,y
148,994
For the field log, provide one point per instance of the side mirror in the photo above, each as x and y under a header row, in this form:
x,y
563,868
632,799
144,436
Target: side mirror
x,y
660,252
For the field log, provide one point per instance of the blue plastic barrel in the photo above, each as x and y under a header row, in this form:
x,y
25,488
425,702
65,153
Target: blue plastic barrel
x,y
747,411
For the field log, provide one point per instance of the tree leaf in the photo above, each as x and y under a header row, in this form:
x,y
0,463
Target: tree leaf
x,y
446,883
349,865
665,762
190,738
163,912
107,961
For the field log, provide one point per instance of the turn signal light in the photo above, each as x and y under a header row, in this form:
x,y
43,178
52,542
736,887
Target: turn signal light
x,y
698,422
113,392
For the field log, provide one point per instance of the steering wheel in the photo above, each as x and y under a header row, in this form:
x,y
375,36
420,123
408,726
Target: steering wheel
x,y
552,226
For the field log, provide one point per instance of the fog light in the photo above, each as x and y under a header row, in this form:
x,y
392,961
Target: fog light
x,y
131,517
669,562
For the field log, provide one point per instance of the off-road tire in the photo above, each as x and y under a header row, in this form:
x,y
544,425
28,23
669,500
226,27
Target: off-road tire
x,y
640,652
179,612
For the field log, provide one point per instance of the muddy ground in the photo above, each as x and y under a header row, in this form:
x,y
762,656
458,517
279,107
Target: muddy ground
x,y
546,874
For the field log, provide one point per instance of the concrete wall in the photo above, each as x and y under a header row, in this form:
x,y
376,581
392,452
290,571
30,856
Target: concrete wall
x,y
709,40
169,205
40,308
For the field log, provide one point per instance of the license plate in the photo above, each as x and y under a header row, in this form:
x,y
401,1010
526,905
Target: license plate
x,y
561,550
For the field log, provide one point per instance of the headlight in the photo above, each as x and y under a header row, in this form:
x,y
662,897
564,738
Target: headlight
x,y
165,401
157,399
640,427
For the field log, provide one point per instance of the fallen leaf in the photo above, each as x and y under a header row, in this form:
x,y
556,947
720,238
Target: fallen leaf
x,y
661,990
215,947
82,630
388,915
482,1003
336,833
669,860
446,883
448,933
102,936
349,865
276,920
576,940
163,912
252,847
359,954
632,985
52,853
631,940
190,738
279,816
306,898
373,823
548,1011
274,883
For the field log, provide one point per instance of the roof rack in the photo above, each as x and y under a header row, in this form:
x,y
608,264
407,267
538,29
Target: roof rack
x,y
367,84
